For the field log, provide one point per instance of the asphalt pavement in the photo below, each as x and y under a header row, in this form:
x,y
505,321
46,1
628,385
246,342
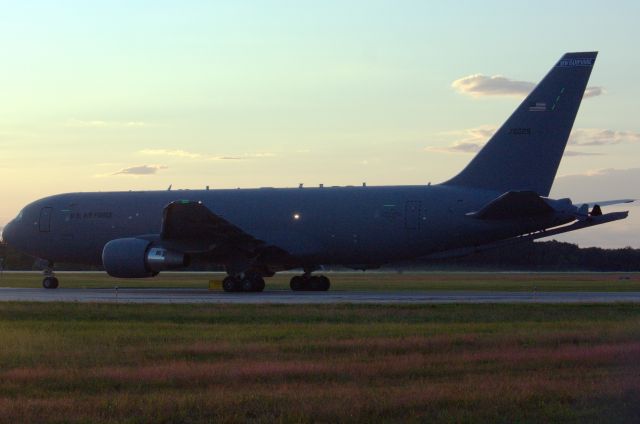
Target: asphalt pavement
x,y
176,295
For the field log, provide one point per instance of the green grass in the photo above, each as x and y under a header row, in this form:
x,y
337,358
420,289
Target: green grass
x,y
364,281
327,363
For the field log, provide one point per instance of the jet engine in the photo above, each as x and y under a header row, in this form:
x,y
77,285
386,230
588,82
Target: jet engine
x,y
138,258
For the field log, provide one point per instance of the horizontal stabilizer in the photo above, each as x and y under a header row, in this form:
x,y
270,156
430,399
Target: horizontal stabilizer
x,y
514,205
577,225
605,202
592,221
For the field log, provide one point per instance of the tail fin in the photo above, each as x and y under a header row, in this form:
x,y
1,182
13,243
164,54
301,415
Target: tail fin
x,y
525,152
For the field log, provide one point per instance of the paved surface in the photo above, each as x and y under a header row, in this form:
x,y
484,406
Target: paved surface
x,y
288,297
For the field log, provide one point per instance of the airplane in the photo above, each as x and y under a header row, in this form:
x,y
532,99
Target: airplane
x,y
500,197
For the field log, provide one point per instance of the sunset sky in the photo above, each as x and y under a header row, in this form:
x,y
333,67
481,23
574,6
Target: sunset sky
x,y
138,95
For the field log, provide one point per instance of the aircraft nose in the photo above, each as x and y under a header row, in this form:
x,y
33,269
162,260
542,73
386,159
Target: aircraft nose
x,y
8,232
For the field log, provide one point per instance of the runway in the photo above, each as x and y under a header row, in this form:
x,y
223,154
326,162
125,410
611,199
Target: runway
x,y
177,295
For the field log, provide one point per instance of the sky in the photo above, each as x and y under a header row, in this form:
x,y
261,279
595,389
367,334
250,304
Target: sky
x,y
140,95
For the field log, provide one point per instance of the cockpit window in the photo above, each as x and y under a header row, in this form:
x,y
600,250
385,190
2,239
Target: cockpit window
x,y
20,215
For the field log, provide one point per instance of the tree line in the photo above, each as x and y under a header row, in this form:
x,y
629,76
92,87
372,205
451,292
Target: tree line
x,y
543,256
529,256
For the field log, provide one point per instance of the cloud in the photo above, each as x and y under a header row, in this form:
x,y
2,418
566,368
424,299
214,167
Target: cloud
x,y
579,153
602,137
174,153
458,147
80,123
260,155
478,85
470,140
140,170
593,92
191,155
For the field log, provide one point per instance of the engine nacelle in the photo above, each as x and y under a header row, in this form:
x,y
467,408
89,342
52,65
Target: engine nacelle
x,y
138,258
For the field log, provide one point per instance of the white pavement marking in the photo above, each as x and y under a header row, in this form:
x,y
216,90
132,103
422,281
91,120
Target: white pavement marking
x,y
288,297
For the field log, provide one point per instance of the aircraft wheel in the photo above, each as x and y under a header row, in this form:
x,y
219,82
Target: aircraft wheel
x,y
231,284
247,284
325,284
297,283
319,283
314,284
50,283
252,283
259,284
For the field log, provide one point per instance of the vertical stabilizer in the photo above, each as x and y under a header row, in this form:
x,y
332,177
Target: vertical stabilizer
x,y
525,152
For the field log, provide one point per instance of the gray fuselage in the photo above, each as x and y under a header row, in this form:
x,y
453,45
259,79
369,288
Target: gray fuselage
x,y
365,226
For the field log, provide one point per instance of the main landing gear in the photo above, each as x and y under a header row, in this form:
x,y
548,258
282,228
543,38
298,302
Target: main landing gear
x,y
248,282
309,282
254,282
49,281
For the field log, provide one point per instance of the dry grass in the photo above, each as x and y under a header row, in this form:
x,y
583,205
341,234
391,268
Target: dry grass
x,y
244,363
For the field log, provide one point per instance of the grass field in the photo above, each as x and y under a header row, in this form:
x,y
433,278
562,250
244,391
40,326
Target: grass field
x,y
313,363
364,281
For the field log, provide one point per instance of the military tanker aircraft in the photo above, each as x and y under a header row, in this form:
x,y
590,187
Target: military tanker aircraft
x,y
500,197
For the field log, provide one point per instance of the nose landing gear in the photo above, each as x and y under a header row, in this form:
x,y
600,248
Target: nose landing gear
x,y
49,281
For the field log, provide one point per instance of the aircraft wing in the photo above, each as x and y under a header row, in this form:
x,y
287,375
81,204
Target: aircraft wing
x,y
192,227
514,205
191,223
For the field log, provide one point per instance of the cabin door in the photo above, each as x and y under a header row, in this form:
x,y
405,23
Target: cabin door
x,y
45,220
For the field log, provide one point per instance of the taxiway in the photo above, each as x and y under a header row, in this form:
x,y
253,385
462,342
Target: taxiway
x,y
131,295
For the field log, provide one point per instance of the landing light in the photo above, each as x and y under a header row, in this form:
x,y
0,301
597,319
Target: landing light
x,y
296,216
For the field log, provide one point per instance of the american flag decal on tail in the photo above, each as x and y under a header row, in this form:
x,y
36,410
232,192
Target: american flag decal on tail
x,y
538,107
